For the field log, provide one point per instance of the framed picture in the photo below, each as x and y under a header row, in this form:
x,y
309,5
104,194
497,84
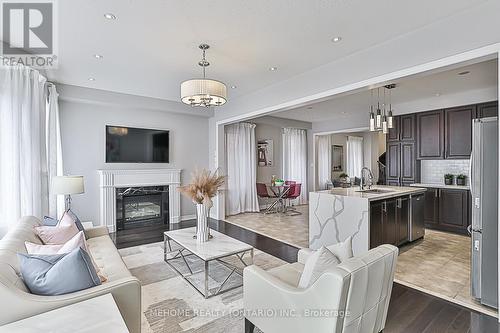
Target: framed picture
x,y
265,151
337,158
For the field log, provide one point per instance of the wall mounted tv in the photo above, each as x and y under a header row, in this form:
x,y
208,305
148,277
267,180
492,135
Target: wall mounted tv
x,y
136,145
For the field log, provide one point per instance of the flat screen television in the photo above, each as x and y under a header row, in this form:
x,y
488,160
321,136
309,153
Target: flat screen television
x,y
136,145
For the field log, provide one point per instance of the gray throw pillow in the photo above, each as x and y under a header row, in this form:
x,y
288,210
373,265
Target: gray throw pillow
x,y
75,218
58,274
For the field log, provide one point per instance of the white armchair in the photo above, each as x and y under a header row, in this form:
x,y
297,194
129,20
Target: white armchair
x,y
352,297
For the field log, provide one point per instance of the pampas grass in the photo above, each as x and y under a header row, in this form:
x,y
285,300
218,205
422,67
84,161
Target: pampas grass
x,y
203,187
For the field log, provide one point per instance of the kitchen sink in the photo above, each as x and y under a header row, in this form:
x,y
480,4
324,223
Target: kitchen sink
x,y
375,191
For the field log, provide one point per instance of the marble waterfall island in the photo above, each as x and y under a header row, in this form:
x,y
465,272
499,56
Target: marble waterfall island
x,y
336,214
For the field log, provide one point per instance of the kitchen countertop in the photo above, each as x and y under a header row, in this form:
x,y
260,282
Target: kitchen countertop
x,y
453,187
392,192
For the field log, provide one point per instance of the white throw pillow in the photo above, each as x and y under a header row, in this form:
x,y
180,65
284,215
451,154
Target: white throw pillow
x,y
317,264
342,250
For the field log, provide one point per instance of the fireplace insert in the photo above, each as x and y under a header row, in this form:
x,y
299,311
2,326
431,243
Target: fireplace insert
x,y
141,206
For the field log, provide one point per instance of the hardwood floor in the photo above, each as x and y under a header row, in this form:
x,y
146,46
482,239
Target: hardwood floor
x,y
410,311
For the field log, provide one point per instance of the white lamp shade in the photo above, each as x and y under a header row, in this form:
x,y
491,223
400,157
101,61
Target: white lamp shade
x,y
67,185
201,91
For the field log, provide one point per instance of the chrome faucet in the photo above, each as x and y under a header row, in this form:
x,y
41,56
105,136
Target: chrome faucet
x,y
364,182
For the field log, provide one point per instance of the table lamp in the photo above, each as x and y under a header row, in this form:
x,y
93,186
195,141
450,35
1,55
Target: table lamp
x,y
67,185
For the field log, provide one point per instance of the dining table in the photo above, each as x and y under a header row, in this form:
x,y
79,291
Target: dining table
x,y
279,193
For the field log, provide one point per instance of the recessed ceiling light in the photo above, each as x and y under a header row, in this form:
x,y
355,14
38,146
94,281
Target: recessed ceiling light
x,y
437,94
233,87
91,79
110,16
464,73
98,56
336,39
272,69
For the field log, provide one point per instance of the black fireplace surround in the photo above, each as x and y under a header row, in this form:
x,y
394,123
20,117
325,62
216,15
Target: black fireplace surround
x,y
141,206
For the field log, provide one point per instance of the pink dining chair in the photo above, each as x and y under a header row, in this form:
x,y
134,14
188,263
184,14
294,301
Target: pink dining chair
x,y
293,193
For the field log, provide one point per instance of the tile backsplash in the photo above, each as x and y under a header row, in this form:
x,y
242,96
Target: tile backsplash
x,y
433,171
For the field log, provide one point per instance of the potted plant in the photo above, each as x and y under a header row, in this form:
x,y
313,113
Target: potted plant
x,y
448,179
203,187
344,178
461,179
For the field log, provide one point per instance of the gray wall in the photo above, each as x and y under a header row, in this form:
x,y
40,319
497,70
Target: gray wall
x,y
83,144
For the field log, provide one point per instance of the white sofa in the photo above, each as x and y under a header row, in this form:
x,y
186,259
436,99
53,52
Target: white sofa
x,y
360,287
18,303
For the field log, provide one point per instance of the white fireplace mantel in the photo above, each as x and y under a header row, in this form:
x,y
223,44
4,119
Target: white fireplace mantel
x,y
110,180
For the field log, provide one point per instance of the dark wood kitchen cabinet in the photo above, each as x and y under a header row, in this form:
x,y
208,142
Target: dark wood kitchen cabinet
x,y
403,219
453,210
389,221
393,134
393,160
447,209
407,127
458,131
402,165
431,207
430,135
376,228
485,110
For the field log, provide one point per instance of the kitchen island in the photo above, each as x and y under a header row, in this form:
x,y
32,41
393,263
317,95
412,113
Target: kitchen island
x,y
372,217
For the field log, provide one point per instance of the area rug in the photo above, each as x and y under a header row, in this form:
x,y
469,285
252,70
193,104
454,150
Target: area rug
x,y
170,304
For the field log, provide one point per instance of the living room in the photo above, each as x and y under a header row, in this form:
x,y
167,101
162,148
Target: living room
x,y
126,128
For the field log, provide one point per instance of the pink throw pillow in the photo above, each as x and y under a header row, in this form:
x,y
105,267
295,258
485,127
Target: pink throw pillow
x,y
56,235
77,241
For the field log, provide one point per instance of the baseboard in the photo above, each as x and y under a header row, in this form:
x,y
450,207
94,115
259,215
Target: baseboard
x,y
188,217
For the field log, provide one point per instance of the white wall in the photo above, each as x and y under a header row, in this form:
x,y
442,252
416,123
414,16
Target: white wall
x,y
83,144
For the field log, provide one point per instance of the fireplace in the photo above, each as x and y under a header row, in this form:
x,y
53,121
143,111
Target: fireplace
x,y
112,180
141,206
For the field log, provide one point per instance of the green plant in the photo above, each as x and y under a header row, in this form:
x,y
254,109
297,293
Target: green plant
x,y
461,176
448,176
343,175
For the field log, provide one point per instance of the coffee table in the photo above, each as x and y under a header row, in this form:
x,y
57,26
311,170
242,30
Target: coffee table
x,y
214,251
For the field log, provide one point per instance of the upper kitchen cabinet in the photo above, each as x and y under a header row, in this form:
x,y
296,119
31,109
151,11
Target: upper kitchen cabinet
x,y
430,135
407,127
489,109
403,128
459,132
393,134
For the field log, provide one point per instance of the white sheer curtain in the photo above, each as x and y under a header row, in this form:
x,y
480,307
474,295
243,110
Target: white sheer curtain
x,y
354,156
324,161
295,159
26,124
241,163
54,149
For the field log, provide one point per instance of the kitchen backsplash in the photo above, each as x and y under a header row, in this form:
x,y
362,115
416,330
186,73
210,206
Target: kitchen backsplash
x,y
433,171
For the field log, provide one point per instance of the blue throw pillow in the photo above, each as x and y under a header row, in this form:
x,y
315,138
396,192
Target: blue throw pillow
x,y
50,221
58,274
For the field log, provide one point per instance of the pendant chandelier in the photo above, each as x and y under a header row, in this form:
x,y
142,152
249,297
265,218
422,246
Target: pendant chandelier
x,y
203,92
381,119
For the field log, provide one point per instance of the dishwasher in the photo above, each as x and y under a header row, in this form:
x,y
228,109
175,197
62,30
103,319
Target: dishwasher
x,y
417,227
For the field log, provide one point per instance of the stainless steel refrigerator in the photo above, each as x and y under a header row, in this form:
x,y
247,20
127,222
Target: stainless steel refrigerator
x,y
484,228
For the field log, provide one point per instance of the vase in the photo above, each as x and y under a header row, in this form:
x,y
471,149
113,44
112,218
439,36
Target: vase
x,y
202,230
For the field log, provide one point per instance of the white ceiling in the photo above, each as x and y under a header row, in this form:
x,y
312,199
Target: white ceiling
x,y
152,46
438,86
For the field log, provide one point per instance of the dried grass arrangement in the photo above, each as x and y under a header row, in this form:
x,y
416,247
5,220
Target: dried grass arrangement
x,y
203,187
